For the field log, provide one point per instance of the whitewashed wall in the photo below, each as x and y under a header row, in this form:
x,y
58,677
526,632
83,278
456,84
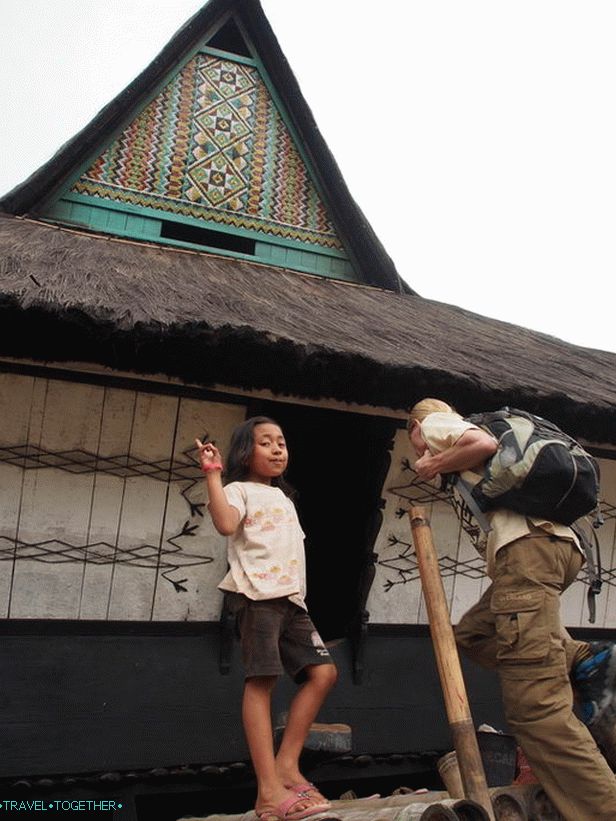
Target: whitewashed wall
x,y
102,517
396,597
99,492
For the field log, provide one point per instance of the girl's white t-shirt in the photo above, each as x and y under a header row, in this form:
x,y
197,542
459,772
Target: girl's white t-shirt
x,y
266,553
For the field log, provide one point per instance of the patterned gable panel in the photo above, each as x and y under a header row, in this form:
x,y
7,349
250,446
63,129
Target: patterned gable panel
x,y
213,146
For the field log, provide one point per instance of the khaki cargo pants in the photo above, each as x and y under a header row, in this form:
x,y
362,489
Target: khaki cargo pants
x,y
515,628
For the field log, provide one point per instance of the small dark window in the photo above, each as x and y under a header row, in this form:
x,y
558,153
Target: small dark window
x,y
203,236
229,38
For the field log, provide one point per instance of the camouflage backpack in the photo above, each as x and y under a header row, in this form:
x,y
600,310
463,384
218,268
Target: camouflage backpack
x,y
537,470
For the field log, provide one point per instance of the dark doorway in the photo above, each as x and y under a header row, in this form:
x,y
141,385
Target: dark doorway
x,y
338,463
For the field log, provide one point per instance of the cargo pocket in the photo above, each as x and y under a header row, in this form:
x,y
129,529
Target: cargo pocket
x,y
522,629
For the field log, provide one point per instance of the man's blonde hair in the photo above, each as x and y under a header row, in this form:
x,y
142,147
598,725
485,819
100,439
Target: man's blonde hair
x,y
427,406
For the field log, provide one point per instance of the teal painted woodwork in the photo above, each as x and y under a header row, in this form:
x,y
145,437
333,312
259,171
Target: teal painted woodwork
x,y
79,213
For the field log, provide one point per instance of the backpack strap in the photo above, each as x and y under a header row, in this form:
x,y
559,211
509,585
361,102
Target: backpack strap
x,y
593,569
454,481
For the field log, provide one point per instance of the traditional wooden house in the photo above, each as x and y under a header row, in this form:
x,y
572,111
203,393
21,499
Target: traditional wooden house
x,y
193,256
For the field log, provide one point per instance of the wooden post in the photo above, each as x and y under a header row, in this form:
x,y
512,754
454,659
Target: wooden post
x,y
448,664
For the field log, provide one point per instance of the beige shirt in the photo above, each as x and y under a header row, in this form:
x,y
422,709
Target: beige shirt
x,y
266,552
440,432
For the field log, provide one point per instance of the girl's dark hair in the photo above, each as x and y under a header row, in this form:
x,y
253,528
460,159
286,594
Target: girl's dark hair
x,y
240,451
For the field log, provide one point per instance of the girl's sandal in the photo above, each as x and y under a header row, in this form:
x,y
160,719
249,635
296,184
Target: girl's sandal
x,y
308,790
284,811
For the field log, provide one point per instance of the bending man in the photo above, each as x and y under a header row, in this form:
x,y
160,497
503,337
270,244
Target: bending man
x,y
515,627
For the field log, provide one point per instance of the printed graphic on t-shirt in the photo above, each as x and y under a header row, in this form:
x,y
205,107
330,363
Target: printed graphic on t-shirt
x,y
268,520
279,575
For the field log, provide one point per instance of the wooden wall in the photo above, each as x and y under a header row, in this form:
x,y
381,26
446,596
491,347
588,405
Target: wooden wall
x,y
102,511
88,701
103,518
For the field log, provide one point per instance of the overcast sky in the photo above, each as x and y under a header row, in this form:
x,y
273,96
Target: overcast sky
x,y
478,136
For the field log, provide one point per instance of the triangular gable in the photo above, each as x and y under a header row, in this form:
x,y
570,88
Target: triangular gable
x,y
323,232
212,162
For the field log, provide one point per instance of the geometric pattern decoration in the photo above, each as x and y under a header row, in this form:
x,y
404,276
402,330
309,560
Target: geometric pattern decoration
x,y
28,456
213,146
165,558
405,567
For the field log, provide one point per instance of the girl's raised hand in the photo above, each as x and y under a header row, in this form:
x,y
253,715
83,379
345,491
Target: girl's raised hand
x,y
209,455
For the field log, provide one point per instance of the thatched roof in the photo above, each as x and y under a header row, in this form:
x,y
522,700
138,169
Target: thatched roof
x,y
369,258
205,319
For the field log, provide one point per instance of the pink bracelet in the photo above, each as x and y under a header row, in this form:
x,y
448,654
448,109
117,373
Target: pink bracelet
x,y
208,466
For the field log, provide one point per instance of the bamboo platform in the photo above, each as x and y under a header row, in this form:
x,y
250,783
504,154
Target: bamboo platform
x,y
515,803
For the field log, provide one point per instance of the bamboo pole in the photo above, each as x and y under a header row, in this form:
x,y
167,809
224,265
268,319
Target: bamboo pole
x,y
448,664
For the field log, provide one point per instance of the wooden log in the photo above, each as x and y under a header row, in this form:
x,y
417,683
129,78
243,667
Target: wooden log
x,y
448,664
509,806
449,772
540,808
330,739
438,812
467,810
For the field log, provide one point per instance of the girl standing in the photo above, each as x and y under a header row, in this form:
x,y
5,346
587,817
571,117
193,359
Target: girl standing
x,y
266,587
